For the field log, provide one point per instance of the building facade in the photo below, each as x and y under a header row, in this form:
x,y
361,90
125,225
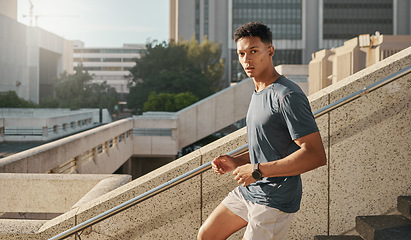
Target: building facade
x,y
108,64
300,27
31,58
329,66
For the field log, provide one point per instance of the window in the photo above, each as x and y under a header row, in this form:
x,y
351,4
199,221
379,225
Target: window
x,y
282,17
348,19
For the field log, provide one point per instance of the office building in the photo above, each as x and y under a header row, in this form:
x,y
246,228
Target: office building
x,y
300,27
31,58
108,64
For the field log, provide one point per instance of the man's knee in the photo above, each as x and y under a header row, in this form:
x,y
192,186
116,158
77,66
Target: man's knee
x,y
202,234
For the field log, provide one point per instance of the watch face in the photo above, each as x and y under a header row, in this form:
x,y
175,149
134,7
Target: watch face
x,y
256,175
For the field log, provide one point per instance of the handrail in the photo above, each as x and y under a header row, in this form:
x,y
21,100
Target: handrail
x,y
359,93
143,196
207,166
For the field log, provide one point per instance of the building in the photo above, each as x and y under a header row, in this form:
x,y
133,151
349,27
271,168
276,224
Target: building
x,y
300,27
108,64
329,66
45,124
31,58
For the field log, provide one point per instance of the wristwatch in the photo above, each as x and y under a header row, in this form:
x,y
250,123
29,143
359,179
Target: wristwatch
x,y
256,172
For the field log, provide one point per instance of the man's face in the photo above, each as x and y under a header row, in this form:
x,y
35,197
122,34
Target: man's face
x,y
254,55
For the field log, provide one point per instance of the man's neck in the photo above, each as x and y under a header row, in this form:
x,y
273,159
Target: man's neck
x,y
263,82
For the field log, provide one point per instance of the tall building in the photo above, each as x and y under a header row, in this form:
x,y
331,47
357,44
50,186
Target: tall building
x,y
30,57
108,64
300,27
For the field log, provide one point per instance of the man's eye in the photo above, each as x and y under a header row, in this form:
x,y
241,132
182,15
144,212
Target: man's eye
x,y
253,51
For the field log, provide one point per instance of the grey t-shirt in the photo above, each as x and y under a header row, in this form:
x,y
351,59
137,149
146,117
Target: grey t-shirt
x,y
276,116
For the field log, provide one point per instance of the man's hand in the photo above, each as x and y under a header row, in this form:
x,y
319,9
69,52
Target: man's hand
x,y
223,164
243,174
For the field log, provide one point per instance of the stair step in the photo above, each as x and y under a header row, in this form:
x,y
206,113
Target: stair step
x,y
346,237
404,206
384,227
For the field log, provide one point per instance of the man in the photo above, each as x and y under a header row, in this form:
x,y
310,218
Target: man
x,y
283,142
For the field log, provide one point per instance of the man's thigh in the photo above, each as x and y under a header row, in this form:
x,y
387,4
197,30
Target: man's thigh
x,y
221,223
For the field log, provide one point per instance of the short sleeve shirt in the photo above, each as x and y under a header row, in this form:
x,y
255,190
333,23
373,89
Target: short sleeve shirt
x,y
277,116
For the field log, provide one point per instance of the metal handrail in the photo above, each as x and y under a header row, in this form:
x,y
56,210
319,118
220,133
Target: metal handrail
x,y
143,196
207,166
351,97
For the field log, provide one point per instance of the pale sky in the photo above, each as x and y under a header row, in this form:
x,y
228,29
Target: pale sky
x,y
101,23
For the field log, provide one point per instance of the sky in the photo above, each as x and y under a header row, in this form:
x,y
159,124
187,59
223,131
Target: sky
x,y
100,23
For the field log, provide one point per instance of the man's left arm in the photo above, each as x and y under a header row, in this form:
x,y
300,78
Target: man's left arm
x,y
311,155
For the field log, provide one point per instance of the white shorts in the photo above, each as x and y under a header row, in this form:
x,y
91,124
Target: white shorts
x,y
264,222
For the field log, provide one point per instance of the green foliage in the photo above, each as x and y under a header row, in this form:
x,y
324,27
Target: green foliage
x,y
75,91
207,56
10,99
169,102
175,68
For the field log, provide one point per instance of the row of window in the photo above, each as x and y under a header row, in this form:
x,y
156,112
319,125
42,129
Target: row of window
x,y
358,5
102,68
282,17
119,50
282,31
348,19
276,15
267,3
358,21
104,59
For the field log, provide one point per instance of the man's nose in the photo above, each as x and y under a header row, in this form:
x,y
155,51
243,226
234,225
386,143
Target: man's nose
x,y
247,58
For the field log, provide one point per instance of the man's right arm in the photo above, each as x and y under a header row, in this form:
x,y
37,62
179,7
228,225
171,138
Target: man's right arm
x,y
226,163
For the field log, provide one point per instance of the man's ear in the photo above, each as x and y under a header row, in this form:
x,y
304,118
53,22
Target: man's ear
x,y
271,50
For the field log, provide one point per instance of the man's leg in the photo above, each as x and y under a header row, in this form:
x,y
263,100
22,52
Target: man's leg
x,y
221,223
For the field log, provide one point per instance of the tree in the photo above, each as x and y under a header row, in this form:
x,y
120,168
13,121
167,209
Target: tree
x,y
10,99
207,56
174,68
76,91
169,102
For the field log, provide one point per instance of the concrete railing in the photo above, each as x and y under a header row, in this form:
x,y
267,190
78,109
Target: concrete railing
x,y
31,199
368,153
191,123
100,150
214,113
32,124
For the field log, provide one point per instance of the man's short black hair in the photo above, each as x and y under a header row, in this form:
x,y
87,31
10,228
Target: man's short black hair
x,y
254,29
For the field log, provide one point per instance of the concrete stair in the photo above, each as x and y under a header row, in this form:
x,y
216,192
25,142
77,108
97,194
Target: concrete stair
x,y
382,227
338,238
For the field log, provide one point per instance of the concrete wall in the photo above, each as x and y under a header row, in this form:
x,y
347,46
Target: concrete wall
x,y
191,123
20,192
368,167
100,150
150,142
214,113
59,193
367,147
